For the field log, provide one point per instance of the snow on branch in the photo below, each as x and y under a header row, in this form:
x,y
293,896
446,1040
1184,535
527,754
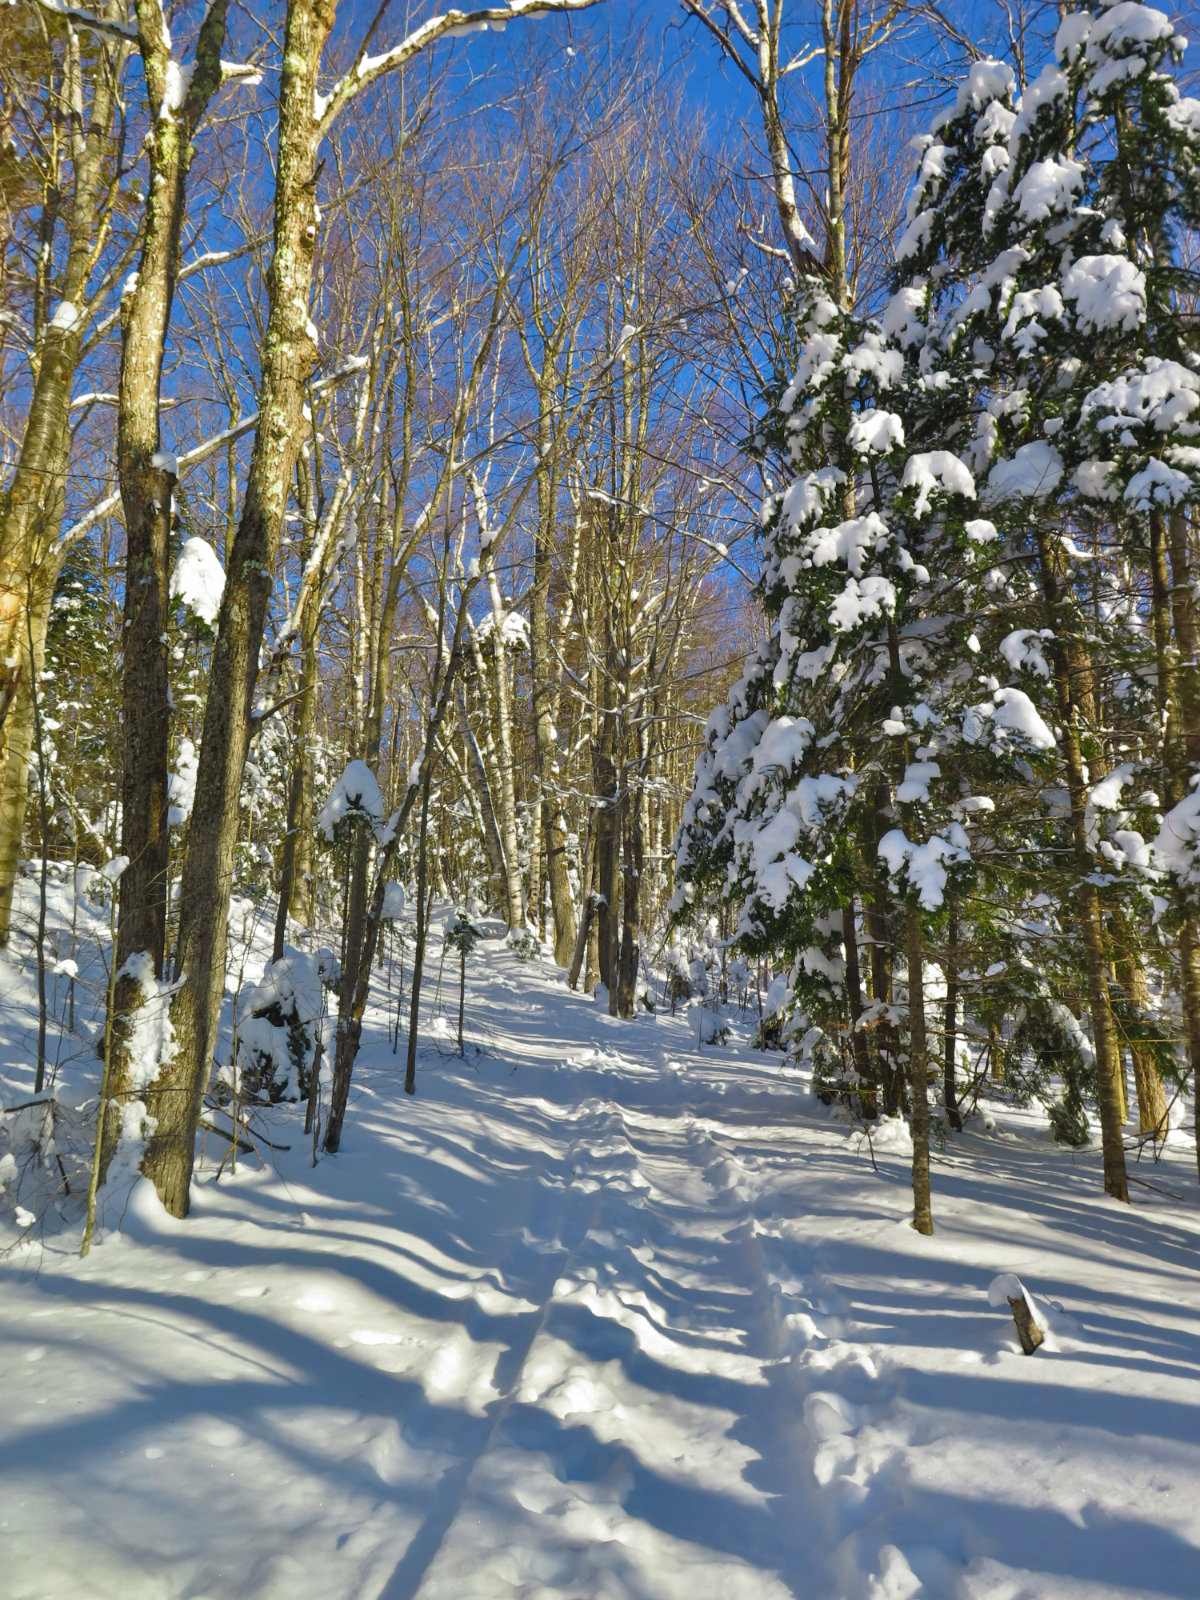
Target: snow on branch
x,y
88,19
453,24
191,458
241,71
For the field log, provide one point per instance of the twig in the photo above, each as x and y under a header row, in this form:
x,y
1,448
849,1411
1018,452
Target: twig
x,y
46,1100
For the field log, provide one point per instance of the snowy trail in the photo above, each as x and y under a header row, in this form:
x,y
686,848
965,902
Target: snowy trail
x,y
641,1408
603,1316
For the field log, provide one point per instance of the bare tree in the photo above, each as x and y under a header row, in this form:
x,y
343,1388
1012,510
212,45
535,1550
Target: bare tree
x,y
289,352
82,170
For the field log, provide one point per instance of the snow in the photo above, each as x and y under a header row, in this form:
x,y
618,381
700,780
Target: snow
x,y
924,866
783,743
1093,480
1072,35
852,542
514,629
995,123
903,316
1023,327
876,432
238,72
178,78
1048,187
198,579
1109,293
277,1019
151,1036
1129,22
1174,849
1010,714
1162,394
1003,1288
777,866
601,1314
355,794
66,316
918,775
933,470
181,785
809,494
1184,116
986,81
915,236
1022,649
1158,484
862,602
1048,87
1032,473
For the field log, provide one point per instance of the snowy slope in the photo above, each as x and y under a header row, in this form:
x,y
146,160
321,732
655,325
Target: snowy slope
x,y
597,1315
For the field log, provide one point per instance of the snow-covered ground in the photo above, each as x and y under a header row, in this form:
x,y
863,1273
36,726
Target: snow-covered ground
x,y
600,1315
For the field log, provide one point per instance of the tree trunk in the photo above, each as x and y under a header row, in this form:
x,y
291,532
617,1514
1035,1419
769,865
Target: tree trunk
x,y
582,937
31,509
29,567
492,845
536,913
514,892
950,1089
633,863
288,356
918,1071
836,20
462,996
418,967
295,869
607,852
350,1021
854,996
147,481
1187,637
19,730
1151,1097
877,914
545,734
1071,669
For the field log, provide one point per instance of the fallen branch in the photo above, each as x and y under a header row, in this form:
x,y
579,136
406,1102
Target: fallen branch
x,y
246,1149
1170,1193
258,1138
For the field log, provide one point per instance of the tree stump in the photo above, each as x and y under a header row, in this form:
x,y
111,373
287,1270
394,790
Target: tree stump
x,y
1030,1335
1009,1287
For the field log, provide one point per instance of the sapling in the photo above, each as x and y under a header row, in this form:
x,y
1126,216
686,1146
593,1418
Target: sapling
x,y
463,936
43,828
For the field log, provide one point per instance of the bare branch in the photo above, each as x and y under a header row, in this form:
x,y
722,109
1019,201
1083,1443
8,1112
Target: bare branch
x,y
453,24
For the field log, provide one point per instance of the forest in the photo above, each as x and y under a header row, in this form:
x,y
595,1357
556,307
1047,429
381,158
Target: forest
x,y
600,800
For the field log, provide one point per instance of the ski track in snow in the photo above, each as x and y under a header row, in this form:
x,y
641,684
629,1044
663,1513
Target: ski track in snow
x,y
604,1317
